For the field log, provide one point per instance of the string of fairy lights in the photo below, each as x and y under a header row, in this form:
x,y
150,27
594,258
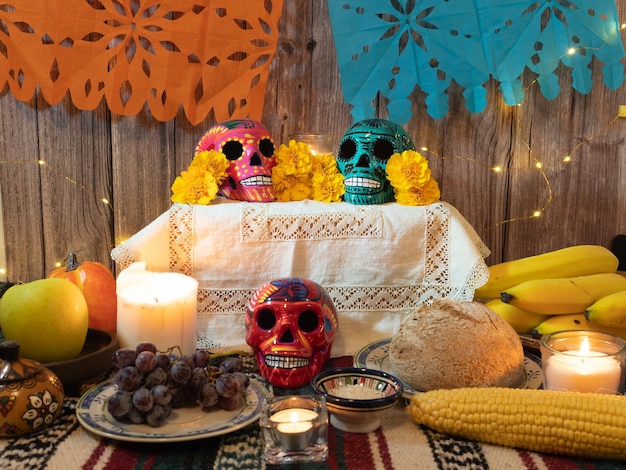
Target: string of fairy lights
x,y
538,166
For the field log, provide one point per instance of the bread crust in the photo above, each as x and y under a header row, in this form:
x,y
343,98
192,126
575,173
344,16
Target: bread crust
x,y
454,344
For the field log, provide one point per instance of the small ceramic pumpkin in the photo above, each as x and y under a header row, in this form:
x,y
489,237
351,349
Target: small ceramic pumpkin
x,y
31,396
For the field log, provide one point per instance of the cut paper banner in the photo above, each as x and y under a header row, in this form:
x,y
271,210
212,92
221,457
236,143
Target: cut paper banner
x,y
204,57
392,46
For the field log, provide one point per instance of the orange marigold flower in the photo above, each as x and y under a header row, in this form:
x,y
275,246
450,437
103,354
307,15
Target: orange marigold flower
x,y
422,195
194,186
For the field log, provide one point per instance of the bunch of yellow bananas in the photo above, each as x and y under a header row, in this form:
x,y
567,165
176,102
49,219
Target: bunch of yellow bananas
x,y
575,288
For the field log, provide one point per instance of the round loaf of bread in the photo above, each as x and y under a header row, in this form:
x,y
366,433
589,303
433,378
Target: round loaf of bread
x,y
454,344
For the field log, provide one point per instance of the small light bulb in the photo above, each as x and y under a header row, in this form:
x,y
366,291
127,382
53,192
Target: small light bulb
x,y
567,158
497,169
537,214
538,165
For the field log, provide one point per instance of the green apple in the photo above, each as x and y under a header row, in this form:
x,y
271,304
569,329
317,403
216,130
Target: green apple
x,y
48,317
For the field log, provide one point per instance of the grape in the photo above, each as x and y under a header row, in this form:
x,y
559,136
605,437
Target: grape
x,y
124,357
179,399
157,415
120,403
232,364
157,377
230,403
189,360
243,379
162,394
201,358
145,361
227,385
163,361
180,371
146,346
142,399
135,416
208,396
198,379
128,379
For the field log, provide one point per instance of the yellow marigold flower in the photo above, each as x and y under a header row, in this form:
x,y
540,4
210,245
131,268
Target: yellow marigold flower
x,y
290,187
212,162
419,195
194,186
324,163
407,169
328,188
296,157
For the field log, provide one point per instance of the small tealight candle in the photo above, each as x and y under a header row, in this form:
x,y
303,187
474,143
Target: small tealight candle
x,y
294,426
583,361
294,429
318,143
156,307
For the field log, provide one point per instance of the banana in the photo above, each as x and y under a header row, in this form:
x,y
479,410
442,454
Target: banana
x,y
522,321
575,321
609,310
563,295
578,260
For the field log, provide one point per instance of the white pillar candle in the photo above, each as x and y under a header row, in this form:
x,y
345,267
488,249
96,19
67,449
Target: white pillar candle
x,y
582,370
160,308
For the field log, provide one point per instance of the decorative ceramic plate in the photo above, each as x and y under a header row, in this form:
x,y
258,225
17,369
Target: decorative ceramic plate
x,y
184,424
376,356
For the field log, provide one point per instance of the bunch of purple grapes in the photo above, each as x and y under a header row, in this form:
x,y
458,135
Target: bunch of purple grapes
x,y
150,384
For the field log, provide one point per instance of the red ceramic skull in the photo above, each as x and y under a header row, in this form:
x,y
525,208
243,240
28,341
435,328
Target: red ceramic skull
x,y
249,148
291,324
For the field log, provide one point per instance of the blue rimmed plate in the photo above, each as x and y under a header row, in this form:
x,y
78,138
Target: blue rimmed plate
x,y
376,356
184,424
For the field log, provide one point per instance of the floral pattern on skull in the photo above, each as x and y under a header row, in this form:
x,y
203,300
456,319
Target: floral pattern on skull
x,y
291,324
362,158
250,150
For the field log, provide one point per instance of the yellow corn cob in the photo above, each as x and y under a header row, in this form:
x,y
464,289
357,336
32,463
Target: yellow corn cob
x,y
567,423
578,260
563,295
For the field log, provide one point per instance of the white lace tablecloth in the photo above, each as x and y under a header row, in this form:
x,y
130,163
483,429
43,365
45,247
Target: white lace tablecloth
x,y
378,263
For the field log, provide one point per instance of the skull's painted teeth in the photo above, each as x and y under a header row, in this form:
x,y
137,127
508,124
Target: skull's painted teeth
x,y
259,180
286,362
362,182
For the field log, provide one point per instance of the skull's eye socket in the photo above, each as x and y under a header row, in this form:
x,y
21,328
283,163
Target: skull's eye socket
x,y
266,319
308,321
232,149
383,149
266,146
347,150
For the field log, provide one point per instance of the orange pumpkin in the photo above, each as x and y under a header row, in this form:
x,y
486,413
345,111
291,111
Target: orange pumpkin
x,y
97,283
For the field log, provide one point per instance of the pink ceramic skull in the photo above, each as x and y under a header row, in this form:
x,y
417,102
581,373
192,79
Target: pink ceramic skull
x,y
249,148
291,324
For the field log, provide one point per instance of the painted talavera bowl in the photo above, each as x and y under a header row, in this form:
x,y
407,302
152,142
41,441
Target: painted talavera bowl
x,y
31,396
357,398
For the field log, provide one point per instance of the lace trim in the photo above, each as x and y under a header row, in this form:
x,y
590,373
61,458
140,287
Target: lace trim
x,y
258,226
181,231
345,298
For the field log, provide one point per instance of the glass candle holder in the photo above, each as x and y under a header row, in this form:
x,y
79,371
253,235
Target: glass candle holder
x,y
294,429
318,143
583,361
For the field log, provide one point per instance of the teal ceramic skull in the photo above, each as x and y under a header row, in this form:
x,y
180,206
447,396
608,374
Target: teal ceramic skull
x,y
362,159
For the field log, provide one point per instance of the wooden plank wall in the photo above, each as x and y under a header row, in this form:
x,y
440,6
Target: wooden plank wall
x,y
132,161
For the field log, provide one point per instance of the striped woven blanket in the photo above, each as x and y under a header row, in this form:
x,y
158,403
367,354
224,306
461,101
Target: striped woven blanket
x,y
398,444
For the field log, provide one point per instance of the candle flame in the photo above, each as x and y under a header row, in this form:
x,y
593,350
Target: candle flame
x,y
584,347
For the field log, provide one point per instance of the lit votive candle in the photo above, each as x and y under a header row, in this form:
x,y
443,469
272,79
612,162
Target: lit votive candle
x,y
583,361
294,427
156,307
318,143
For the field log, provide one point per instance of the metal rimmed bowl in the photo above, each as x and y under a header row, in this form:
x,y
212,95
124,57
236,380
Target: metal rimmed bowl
x,y
357,398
